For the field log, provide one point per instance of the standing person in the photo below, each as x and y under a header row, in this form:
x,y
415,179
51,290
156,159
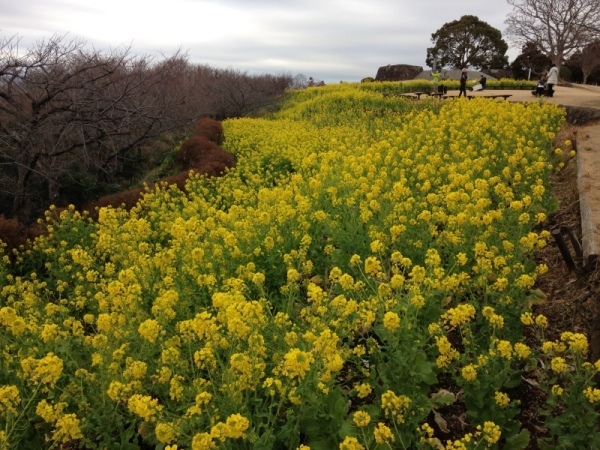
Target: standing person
x,y
552,80
463,83
436,80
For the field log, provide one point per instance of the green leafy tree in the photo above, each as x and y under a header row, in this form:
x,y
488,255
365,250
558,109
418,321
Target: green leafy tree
x,y
531,61
468,42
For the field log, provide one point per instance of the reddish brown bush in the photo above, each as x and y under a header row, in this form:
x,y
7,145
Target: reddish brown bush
x,y
178,179
11,232
36,230
220,156
210,129
198,150
199,153
212,168
193,151
125,200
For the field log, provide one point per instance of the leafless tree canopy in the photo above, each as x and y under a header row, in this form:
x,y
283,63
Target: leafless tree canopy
x,y
588,59
558,27
62,105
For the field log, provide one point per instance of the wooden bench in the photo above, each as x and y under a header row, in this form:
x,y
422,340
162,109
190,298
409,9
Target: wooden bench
x,y
418,94
504,96
411,96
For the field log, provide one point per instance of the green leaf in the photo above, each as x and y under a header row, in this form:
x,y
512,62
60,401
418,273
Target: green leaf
x,y
320,445
536,297
373,410
442,397
422,369
129,446
265,442
347,428
517,441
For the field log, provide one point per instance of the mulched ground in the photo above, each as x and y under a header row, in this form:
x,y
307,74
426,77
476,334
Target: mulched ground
x,y
572,295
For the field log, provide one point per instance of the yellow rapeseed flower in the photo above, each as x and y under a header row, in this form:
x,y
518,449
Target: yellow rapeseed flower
x,y
383,434
502,399
469,372
592,394
491,432
9,398
144,406
351,443
391,321
361,418
297,363
67,429
559,365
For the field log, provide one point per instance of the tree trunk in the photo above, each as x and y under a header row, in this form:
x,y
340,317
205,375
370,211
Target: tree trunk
x,y
20,189
21,207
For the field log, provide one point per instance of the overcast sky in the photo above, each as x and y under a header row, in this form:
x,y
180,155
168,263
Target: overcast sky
x,y
329,40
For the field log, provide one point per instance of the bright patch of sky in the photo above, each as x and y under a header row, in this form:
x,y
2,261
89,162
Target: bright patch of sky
x,y
329,40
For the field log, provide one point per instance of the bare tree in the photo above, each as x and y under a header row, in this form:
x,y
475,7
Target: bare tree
x,y
558,27
61,103
588,60
233,93
300,81
68,112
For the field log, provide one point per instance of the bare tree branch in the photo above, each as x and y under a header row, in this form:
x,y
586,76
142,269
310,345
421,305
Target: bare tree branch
x,y
64,107
60,102
558,27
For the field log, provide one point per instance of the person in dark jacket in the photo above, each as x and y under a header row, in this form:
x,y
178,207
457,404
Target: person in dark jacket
x,y
463,83
540,89
482,81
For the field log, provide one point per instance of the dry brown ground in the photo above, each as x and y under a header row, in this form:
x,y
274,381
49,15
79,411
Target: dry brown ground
x,y
573,296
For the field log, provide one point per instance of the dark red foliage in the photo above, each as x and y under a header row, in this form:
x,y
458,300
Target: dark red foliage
x,y
194,150
178,180
124,199
11,233
211,129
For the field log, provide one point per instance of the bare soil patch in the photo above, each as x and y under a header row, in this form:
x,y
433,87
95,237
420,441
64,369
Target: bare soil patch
x,y
573,295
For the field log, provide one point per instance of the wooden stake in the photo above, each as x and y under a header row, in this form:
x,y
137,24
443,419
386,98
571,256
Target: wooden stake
x,y
564,250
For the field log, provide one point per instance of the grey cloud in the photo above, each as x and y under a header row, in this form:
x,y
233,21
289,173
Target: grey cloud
x,y
331,40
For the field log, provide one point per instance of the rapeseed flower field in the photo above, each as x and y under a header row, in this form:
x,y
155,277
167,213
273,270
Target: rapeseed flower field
x,y
366,265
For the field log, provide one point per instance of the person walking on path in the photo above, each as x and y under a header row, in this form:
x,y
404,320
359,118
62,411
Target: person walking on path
x,y
552,80
463,83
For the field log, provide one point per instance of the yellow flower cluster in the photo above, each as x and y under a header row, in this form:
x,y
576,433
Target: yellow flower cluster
x,y
144,406
9,399
46,370
395,406
297,363
459,316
